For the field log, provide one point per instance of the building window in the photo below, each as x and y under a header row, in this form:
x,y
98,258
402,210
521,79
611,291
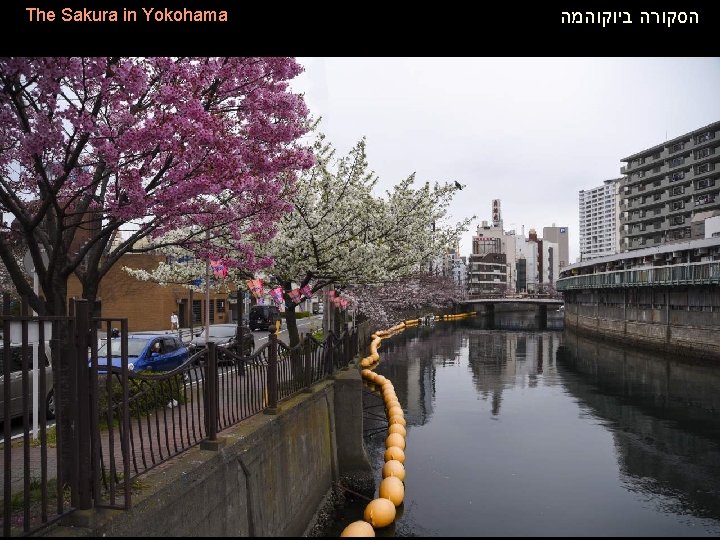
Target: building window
x,y
678,220
707,198
702,184
674,162
678,205
677,147
704,152
678,190
657,156
220,306
674,177
704,137
656,196
705,167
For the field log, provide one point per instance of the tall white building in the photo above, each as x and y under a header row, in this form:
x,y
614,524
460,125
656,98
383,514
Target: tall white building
x,y
455,266
526,256
599,220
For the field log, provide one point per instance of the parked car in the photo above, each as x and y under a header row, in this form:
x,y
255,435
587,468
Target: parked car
x,y
16,385
224,335
264,317
159,352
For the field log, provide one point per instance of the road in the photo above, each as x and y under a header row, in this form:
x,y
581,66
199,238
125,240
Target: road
x,y
308,324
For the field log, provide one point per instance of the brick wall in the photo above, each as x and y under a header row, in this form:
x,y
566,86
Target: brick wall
x,y
147,305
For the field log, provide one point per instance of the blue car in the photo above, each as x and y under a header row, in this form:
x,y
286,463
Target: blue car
x,y
162,352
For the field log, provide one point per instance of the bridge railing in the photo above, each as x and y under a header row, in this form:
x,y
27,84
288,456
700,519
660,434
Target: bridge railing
x,y
702,273
512,297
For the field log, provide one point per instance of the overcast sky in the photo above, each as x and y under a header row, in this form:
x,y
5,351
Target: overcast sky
x,y
529,131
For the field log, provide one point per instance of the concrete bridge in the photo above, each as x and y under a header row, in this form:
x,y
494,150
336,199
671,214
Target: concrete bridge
x,y
512,300
486,306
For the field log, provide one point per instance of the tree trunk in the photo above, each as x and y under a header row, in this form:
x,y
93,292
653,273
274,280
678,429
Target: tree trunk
x,y
90,290
291,321
239,329
62,347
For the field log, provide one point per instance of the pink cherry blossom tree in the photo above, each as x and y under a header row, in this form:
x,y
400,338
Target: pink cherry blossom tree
x,y
90,147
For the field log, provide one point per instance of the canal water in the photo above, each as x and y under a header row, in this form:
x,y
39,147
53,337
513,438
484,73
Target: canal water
x,y
520,432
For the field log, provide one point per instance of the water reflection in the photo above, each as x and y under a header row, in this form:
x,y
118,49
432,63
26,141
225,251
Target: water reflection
x,y
663,414
547,433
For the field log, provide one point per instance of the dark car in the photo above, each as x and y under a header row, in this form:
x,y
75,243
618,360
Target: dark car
x,y
16,384
160,352
264,317
224,335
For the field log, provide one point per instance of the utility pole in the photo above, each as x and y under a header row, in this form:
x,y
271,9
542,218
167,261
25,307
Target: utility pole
x,y
207,293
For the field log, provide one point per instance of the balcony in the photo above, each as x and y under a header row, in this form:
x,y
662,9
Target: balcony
x,y
706,199
676,162
704,137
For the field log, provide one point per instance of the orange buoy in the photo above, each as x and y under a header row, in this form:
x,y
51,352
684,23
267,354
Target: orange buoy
x,y
397,428
395,439
395,411
392,488
380,512
358,528
397,419
396,453
394,468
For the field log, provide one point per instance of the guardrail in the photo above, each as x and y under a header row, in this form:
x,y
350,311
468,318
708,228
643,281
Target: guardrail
x,y
702,273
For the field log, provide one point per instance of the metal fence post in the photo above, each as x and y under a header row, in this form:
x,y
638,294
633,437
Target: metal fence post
x,y
7,447
346,349
213,442
330,344
82,419
272,386
307,358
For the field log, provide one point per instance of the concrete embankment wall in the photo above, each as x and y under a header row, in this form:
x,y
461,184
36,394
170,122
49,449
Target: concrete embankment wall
x,y
693,333
268,480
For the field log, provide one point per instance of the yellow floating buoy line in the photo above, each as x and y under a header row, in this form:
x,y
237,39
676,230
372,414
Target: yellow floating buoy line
x,y
381,512
456,316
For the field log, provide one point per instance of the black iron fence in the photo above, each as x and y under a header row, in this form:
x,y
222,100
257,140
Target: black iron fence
x,y
122,423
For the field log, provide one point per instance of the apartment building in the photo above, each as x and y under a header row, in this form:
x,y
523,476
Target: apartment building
x,y
487,267
665,186
599,224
